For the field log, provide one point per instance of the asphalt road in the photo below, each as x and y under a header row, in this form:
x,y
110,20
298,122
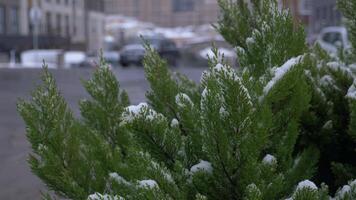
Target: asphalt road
x,y
16,180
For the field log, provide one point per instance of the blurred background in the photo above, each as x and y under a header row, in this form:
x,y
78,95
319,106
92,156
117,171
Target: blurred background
x,y
68,35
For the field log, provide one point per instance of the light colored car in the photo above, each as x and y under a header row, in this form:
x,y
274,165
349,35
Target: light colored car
x,y
74,59
333,38
35,58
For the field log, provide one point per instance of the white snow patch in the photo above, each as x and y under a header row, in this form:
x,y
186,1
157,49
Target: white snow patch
x,y
228,72
352,91
328,124
207,53
344,190
168,177
269,159
182,99
204,93
202,166
223,112
115,176
240,50
306,184
204,76
280,72
353,183
337,66
327,80
353,66
148,184
174,123
250,41
98,196
135,111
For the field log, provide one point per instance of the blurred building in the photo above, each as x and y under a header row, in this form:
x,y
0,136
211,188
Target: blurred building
x,y
167,13
94,24
324,13
13,24
62,24
314,14
59,23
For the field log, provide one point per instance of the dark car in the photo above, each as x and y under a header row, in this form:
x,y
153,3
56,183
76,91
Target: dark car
x,y
134,52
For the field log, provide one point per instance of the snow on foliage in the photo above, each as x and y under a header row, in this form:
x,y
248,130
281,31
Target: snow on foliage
x,y
182,99
119,179
353,183
344,190
280,72
227,71
269,160
202,166
223,112
327,80
135,111
328,125
306,184
148,184
250,41
98,196
352,92
174,123
204,93
337,66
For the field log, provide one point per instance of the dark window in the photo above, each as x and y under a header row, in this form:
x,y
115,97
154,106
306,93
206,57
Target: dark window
x,y
183,5
14,20
2,20
67,26
333,38
59,25
49,23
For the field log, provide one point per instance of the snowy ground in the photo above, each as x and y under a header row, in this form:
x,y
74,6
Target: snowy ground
x,y
16,179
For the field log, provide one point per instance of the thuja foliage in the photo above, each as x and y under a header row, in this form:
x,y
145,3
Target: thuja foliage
x,y
327,124
259,132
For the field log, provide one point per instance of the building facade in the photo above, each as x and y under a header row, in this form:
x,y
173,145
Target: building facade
x,y
314,14
13,29
62,23
95,25
324,13
167,13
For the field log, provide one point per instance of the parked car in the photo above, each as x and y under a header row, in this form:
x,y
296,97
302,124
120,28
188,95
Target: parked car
x,y
134,52
333,38
35,58
74,59
112,57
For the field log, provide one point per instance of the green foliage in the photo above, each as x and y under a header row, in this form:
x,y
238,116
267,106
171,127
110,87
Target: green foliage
x,y
256,133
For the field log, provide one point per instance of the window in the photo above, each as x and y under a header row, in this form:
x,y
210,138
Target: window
x,y
59,24
2,20
183,5
49,23
333,38
67,26
305,7
14,20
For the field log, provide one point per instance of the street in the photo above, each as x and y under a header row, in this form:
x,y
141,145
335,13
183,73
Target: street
x,y
16,180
